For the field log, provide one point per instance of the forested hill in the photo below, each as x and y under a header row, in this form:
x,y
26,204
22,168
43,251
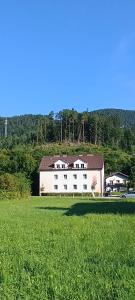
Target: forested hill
x,y
127,117
109,127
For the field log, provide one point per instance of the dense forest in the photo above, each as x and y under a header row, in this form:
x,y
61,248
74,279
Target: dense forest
x,y
126,117
110,133
113,128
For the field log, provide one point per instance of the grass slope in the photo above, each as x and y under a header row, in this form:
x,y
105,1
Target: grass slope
x,y
53,248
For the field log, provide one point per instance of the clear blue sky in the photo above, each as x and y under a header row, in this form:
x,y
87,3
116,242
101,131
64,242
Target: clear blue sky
x,y
57,54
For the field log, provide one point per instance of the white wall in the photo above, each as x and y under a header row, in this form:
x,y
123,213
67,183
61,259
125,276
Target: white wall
x,y
48,181
115,179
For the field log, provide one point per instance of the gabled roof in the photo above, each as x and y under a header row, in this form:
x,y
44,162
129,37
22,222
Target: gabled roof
x,y
94,162
117,173
61,160
80,160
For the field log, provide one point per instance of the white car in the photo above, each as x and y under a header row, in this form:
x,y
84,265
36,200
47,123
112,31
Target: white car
x,y
130,194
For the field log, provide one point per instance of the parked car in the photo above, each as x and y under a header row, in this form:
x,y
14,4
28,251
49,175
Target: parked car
x,y
107,193
130,194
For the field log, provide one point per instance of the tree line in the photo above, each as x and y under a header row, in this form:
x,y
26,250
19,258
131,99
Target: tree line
x,y
69,126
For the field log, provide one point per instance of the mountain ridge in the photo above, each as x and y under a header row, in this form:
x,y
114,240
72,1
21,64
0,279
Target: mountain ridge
x,y
127,117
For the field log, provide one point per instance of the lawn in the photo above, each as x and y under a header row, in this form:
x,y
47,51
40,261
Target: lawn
x,y
70,249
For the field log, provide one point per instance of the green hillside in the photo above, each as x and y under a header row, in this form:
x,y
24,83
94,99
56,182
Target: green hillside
x,y
127,117
109,127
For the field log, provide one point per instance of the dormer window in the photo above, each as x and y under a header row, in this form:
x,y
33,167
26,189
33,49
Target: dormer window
x,y
59,164
80,164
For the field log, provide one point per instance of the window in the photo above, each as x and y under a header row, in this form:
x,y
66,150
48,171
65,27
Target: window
x,y
75,176
85,186
82,166
75,187
84,176
65,176
65,186
63,166
77,166
56,187
55,176
117,181
58,166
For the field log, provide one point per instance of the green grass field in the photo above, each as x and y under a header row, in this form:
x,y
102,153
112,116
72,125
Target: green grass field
x,y
70,249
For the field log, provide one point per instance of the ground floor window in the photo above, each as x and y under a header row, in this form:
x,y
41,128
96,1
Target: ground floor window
x,y
55,187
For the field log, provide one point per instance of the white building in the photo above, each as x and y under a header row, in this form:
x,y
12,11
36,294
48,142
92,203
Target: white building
x,y
71,174
116,180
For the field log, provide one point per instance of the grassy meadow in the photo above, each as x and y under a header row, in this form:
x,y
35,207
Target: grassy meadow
x,y
67,249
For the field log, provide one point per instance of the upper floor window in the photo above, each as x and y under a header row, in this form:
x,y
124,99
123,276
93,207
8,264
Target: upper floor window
x,y
65,176
84,176
75,176
55,176
59,164
77,166
82,166
111,182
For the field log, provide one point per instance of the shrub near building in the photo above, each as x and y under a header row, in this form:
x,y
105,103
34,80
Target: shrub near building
x,y
14,186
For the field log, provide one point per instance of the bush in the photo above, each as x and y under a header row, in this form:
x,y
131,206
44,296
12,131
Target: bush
x,y
14,186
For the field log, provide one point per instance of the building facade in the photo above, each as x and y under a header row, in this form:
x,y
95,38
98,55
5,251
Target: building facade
x,y
71,174
116,181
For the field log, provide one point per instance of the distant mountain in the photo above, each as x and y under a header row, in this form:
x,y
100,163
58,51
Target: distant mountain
x,y
127,117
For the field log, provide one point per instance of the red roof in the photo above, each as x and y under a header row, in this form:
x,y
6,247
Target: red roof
x,y
93,161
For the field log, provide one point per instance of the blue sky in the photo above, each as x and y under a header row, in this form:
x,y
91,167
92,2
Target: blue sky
x,y
66,54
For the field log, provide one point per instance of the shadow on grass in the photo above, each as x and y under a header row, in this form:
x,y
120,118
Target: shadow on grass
x,y
80,209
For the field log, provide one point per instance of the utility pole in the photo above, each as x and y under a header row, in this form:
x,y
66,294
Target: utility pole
x,y
6,123
83,131
61,130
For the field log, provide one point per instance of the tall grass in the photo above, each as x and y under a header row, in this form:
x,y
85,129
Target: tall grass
x,y
68,249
